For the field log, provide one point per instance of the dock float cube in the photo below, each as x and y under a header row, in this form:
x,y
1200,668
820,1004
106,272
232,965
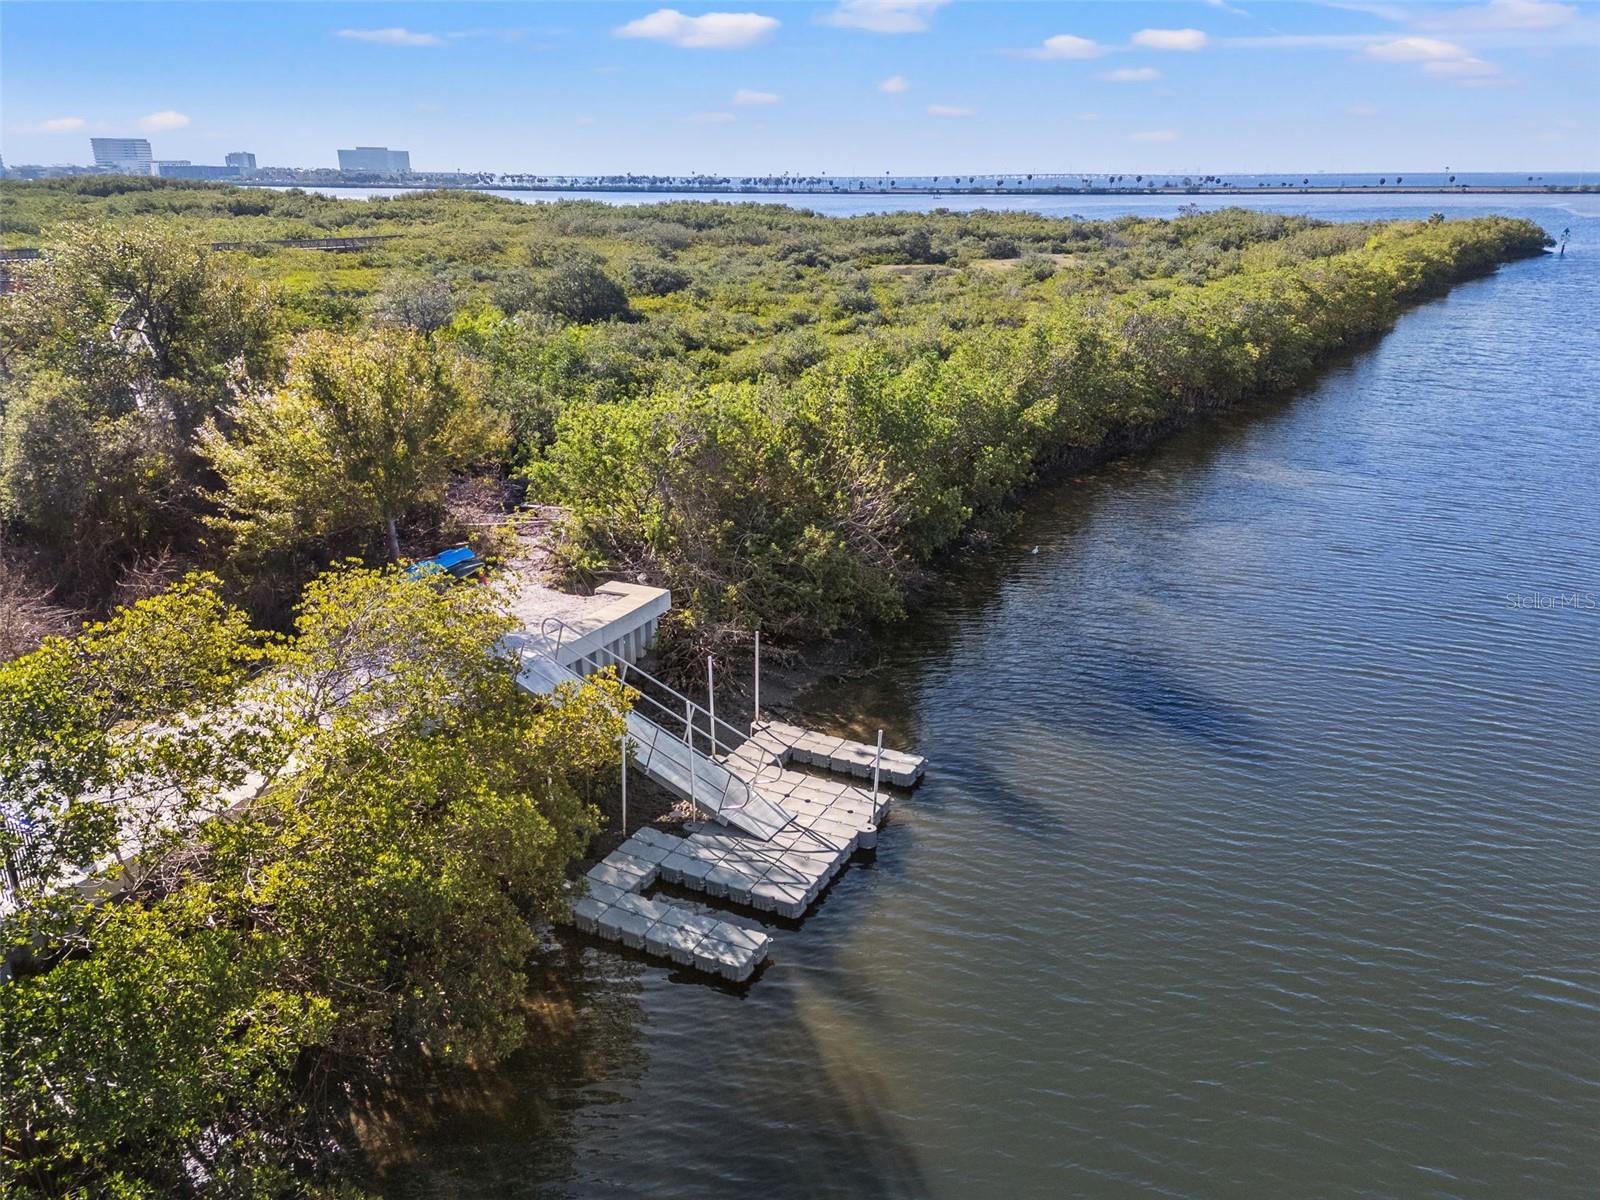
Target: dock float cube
x,y
779,868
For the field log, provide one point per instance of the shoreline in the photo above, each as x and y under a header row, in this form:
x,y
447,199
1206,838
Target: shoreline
x,y
799,669
718,190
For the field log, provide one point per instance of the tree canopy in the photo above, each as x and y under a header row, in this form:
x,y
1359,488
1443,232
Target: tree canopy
x,y
365,427
410,817
810,503
123,343
783,416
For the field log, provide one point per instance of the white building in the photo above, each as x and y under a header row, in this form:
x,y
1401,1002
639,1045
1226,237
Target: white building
x,y
379,160
129,156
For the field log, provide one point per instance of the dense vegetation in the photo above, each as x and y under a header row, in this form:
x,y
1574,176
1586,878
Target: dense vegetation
x,y
399,816
784,417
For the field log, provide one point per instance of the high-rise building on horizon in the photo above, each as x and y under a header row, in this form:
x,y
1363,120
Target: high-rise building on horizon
x,y
242,159
189,170
379,160
131,156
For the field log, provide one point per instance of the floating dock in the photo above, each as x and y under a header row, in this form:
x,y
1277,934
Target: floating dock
x,y
613,908
792,744
781,874
781,834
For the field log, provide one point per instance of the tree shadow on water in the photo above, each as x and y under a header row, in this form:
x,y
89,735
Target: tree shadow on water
x,y
638,1079
508,1129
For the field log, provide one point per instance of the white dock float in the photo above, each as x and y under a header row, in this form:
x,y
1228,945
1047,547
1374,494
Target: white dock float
x,y
792,744
783,834
613,908
781,873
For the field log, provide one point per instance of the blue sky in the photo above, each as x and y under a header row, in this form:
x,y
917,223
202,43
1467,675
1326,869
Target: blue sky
x,y
852,87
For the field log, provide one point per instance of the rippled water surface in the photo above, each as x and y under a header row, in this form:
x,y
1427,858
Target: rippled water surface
x,y
1258,853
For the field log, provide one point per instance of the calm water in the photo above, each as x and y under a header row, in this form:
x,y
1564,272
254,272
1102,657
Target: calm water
x,y
1333,207
1259,852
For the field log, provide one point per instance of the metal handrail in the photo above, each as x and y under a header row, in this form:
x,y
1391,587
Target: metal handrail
x,y
595,662
561,628
720,752
691,711
733,748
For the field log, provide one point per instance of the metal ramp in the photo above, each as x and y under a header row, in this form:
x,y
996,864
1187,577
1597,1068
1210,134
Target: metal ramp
x,y
672,758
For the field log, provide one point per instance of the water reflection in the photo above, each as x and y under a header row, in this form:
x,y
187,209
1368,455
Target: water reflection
x,y
509,1131
1259,850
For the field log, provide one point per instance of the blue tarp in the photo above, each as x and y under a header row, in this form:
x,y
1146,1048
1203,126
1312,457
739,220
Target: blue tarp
x,y
459,562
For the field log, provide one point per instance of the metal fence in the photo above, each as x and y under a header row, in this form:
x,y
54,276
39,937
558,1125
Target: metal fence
x,y
17,840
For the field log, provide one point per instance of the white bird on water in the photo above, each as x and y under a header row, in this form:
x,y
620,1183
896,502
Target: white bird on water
x,y
1035,550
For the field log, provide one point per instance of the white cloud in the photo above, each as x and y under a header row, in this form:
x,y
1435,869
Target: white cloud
x,y
1461,67
1415,49
1066,45
1507,23
713,31
1384,12
583,120
895,84
61,124
1305,41
1436,57
1153,135
1502,14
166,119
499,35
884,16
746,96
391,37
1170,39
948,110
1131,75
711,118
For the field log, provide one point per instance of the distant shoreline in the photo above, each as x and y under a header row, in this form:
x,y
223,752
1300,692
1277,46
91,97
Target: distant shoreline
x,y
715,190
